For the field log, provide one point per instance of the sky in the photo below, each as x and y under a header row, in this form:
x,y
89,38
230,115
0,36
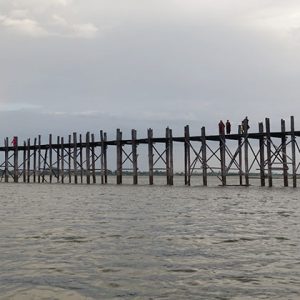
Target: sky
x,y
79,65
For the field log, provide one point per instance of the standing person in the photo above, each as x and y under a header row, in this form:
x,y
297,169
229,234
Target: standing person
x,y
228,127
245,124
221,127
14,141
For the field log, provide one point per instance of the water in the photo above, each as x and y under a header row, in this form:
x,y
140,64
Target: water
x,y
143,242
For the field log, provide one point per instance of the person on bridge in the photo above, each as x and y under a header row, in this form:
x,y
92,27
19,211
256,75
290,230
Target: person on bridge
x,y
14,141
245,125
228,127
221,127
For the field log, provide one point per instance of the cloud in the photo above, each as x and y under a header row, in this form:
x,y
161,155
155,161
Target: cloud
x,y
41,19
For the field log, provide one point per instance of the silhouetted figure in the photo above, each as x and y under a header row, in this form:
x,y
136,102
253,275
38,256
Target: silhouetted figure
x,y
245,125
221,128
228,127
14,141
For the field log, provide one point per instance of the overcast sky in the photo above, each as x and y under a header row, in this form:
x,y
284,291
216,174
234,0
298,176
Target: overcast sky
x,y
77,65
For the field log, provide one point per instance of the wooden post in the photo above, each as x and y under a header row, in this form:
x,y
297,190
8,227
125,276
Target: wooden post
x,y
240,155
168,155
93,159
105,158
204,158
50,158
16,160
171,163
293,142
58,158
75,156
268,135
223,157
6,141
284,157
119,156
150,155
34,161
70,159
24,161
39,159
28,161
62,155
246,154
81,158
87,142
187,156
262,154
134,157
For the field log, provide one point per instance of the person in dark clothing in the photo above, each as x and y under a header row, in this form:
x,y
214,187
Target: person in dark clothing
x,y
245,125
228,127
221,128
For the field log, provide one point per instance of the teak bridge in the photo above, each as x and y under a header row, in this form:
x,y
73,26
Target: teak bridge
x,y
265,154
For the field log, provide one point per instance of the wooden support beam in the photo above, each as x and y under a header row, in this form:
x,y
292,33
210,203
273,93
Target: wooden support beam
x,y
171,163
187,156
284,157
93,158
293,144
246,155
39,158
6,155
88,167
58,159
81,158
75,157
34,160
24,161
16,160
240,155
204,158
50,159
269,161
105,158
62,155
70,159
150,155
119,156
223,158
134,157
28,161
262,155
168,155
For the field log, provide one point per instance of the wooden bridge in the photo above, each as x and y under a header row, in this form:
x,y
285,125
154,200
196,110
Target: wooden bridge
x,y
266,154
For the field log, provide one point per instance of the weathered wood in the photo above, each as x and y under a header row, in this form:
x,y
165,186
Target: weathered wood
x,y
75,157
34,160
171,163
119,156
262,154
58,159
246,155
28,161
204,158
105,158
293,145
39,158
81,158
87,158
70,159
134,157
50,159
102,158
24,161
187,156
6,155
16,160
223,157
150,155
93,158
269,156
240,155
284,157
167,145
62,155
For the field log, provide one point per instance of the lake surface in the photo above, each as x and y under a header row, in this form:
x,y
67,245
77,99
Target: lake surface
x,y
149,242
